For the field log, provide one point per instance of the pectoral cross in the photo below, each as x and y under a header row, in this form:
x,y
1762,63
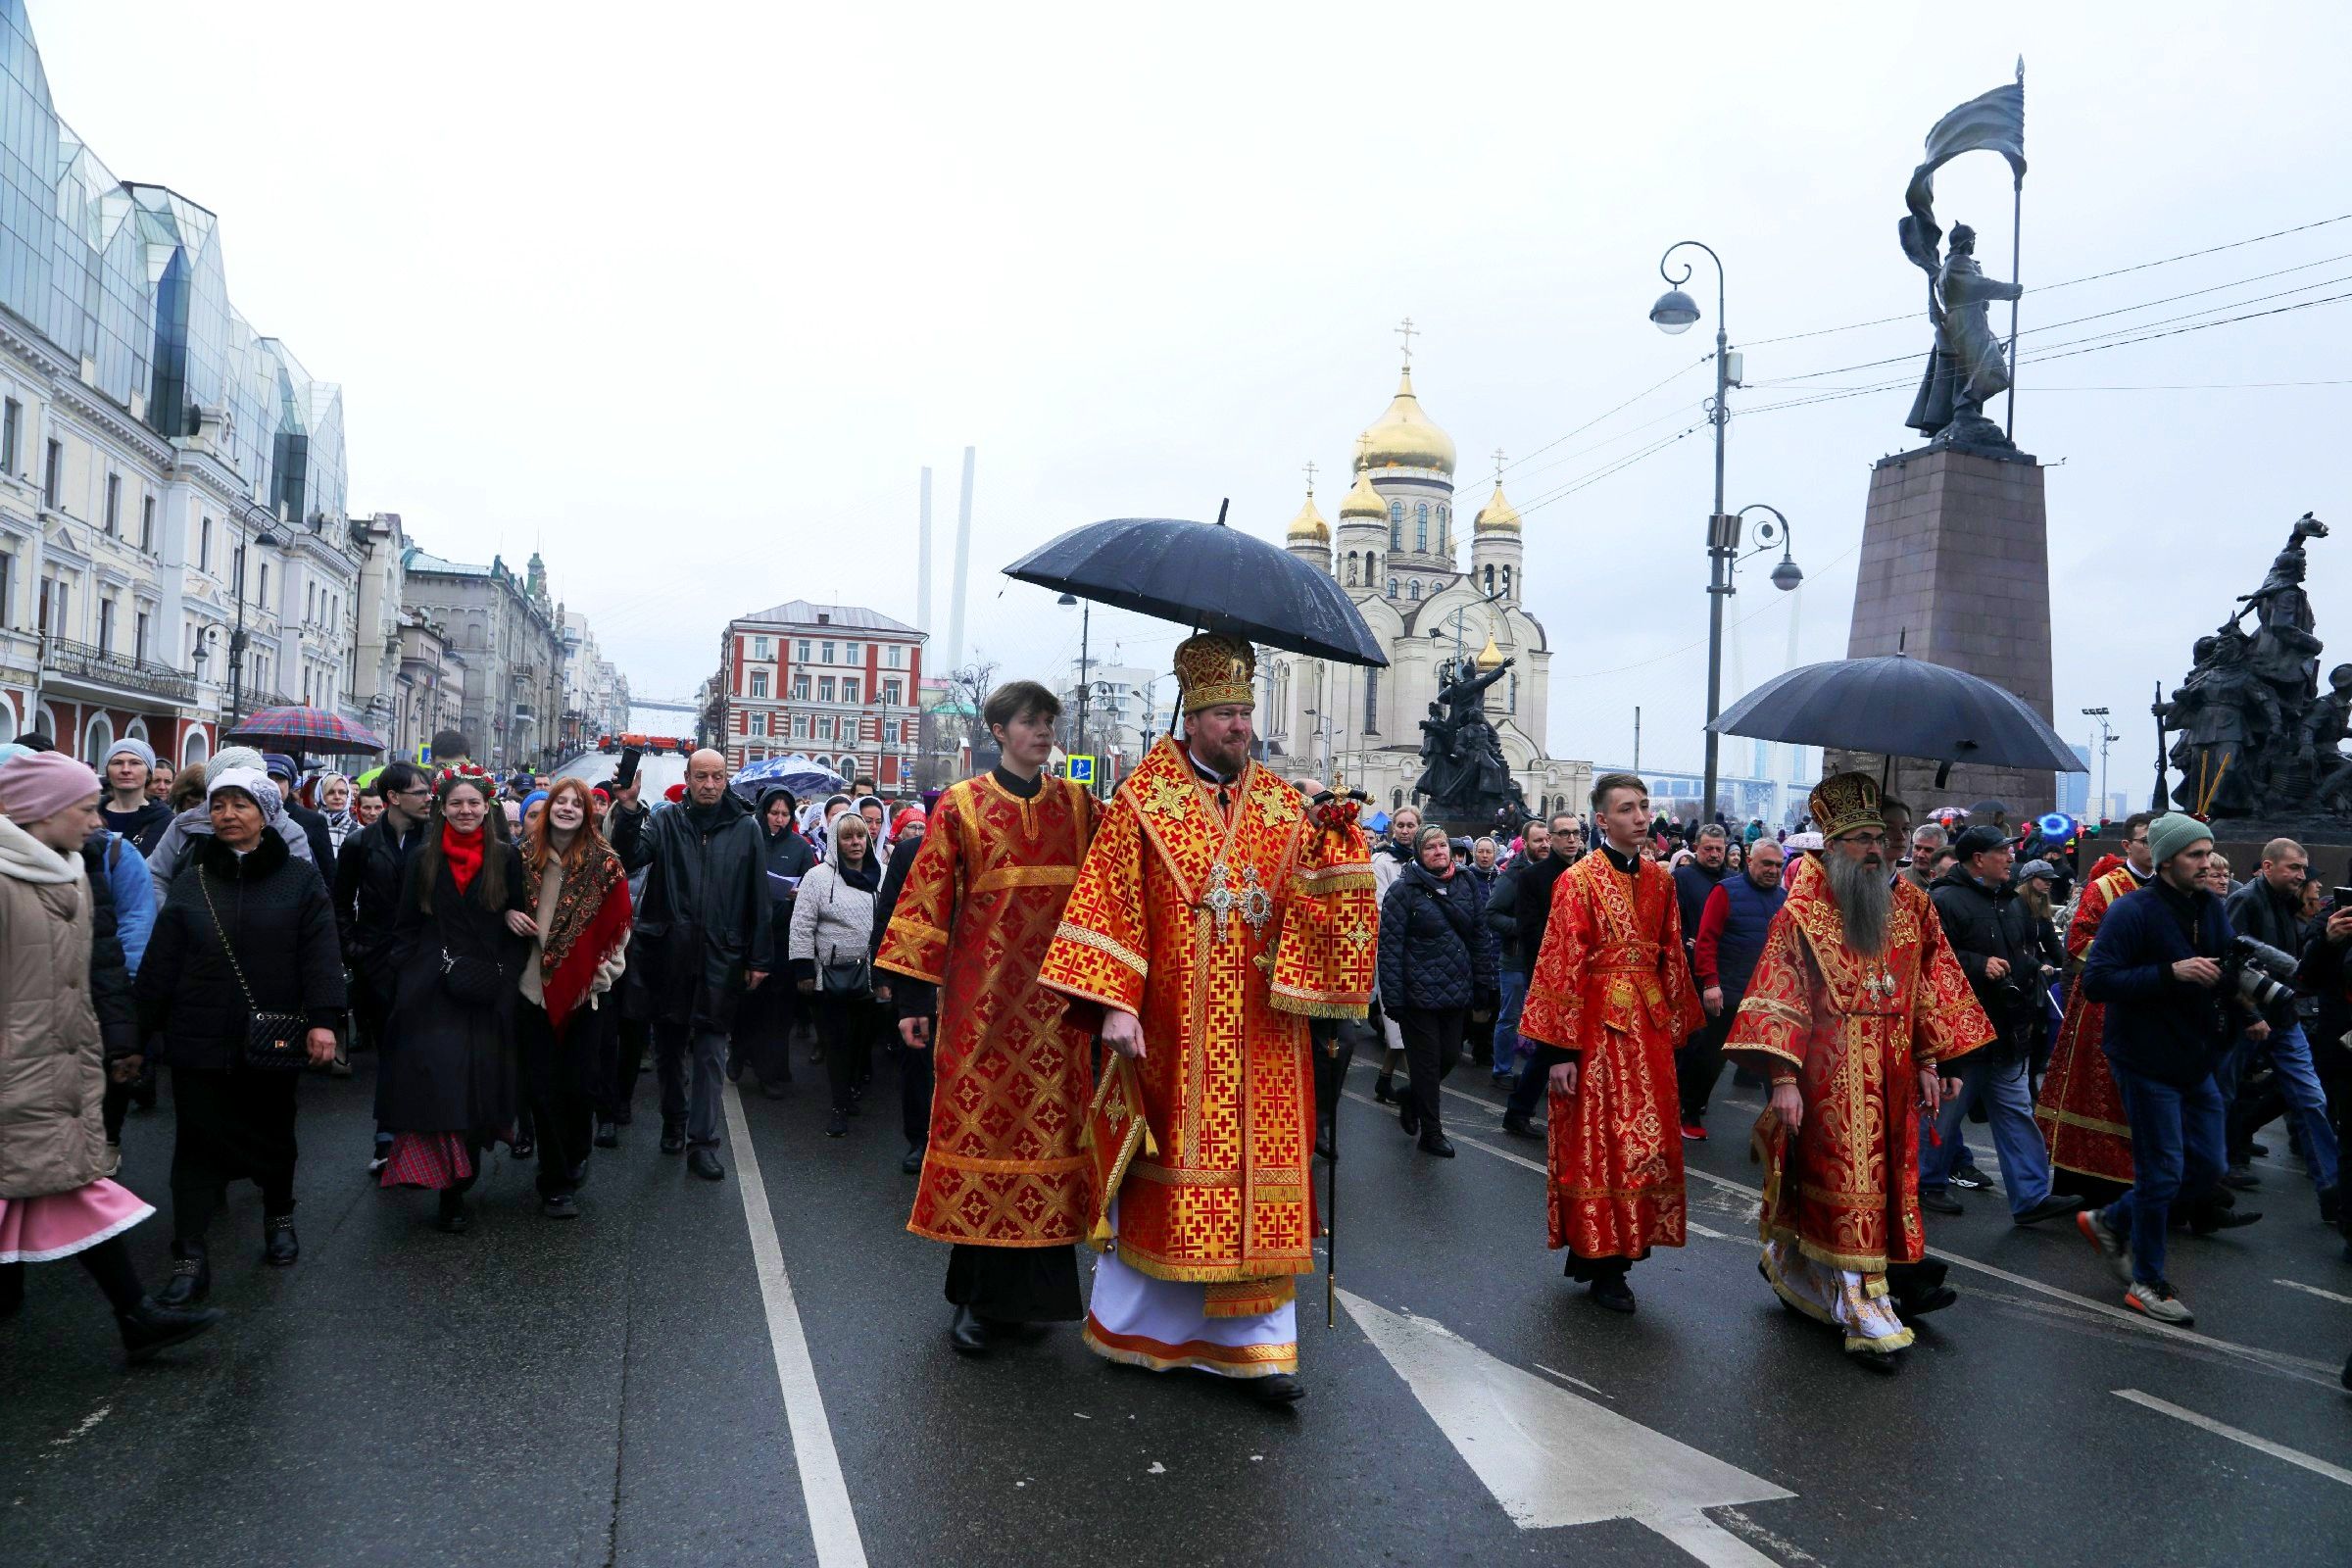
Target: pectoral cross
x,y
1220,897
1880,986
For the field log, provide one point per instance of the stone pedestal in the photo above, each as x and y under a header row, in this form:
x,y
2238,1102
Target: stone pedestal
x,y
1956,571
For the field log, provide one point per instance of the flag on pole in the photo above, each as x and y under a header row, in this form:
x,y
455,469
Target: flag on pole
x,y
1994,123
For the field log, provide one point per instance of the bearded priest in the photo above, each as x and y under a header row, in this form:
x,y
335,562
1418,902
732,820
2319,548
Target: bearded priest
x,y
1216,913
1855,1009
1608,1002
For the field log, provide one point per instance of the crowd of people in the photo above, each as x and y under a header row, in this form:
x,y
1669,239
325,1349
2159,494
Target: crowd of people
x,y
1027,963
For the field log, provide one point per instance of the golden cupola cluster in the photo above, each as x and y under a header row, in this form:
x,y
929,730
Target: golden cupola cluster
x,y
1497,516
1308,528
1363,501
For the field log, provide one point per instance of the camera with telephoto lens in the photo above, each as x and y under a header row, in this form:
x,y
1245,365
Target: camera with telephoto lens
x,y
2259,971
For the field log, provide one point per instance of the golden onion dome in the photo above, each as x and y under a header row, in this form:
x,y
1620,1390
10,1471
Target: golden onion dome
x,y
1497,516
1489,657
1308,528
1363,501
1405,437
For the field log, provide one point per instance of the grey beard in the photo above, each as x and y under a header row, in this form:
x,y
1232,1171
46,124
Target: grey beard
x,y
1864,898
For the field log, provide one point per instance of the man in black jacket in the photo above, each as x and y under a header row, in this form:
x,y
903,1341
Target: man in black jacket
x,y
2268,910
1992,936
1503,918
368,879
282,770
706,936
1530,901
2156,965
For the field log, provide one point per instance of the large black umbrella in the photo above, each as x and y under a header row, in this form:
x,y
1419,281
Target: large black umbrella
x,y
1903,707
1207,575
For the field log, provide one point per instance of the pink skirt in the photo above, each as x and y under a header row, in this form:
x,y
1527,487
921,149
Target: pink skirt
x,y
55,1225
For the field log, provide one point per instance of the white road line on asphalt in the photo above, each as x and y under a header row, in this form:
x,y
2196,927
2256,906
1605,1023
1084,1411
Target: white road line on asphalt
x,y
2277,1450
1565,1377
2314,1289
1553,1458
2297,1366
832,1522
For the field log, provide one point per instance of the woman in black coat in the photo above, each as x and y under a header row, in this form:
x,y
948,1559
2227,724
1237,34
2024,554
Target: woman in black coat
x,y
446,1090
763,1031
247,929
1436,959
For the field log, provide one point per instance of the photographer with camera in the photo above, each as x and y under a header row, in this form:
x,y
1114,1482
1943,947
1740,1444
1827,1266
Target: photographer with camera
x,y
2267,911
2157,964
1993,937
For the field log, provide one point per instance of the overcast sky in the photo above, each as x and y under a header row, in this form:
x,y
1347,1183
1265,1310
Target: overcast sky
x,y
686,294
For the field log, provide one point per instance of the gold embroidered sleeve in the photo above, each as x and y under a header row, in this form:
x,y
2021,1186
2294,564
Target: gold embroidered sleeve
x,y
915,943
1776,1017
1099,953
1330,942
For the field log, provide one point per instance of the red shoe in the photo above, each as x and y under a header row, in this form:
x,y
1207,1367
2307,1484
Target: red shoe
x,y
1696,1132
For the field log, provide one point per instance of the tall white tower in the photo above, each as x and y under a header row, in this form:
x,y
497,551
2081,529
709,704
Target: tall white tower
x,y
963,566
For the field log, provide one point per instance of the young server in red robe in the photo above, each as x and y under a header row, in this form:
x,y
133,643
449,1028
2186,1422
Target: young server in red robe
x,y
1005,1182
2081,1110
1610,1001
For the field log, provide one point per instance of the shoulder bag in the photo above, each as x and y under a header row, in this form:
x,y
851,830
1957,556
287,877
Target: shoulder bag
x,y
276,1042
844,977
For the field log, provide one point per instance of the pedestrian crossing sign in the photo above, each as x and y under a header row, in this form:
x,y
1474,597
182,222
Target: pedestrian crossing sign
x,y
1082,770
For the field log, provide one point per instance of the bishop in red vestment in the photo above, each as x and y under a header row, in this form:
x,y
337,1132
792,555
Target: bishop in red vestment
x,y
1610,1001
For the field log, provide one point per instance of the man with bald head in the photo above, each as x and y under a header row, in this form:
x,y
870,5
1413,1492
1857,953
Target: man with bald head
x,y
704,939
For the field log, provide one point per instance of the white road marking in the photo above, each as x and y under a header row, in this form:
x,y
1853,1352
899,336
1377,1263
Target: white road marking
x,y
2277,1450
1553,1458
81,1428
831,1521
1565,1377
2314,1289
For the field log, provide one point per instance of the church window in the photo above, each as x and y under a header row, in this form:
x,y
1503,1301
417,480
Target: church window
x,y
1371,568
1412,590
1396,525
1351,568
1506,582
1490,579
1444,516
1396,801
1371,702
1421,526
1391,587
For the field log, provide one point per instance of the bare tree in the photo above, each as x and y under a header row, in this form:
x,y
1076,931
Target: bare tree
x,y
950,724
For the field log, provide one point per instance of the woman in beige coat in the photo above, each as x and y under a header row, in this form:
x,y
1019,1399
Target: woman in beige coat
x,y
54,1201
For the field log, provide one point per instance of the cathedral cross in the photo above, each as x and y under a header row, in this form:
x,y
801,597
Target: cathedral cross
x,y
1498,468
1408,332
1311,478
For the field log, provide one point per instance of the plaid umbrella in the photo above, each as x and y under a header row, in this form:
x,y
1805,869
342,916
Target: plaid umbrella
x,y
309,729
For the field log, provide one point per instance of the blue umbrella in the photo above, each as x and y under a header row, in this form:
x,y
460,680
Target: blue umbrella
x,y
797,773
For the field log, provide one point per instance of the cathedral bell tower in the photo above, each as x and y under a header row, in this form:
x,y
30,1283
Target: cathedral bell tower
x,y
1495,547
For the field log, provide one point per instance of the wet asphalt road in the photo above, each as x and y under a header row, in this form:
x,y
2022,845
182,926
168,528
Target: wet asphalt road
x,y
607,1391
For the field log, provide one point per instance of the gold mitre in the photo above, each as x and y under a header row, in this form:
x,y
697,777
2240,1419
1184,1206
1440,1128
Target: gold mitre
x,y
1845,801
1214,668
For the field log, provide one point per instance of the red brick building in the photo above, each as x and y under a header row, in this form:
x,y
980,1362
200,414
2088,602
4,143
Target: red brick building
x,y
837,682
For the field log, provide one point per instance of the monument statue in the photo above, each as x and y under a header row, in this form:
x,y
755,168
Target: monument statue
x,y
2256,738
1463,776
1967,367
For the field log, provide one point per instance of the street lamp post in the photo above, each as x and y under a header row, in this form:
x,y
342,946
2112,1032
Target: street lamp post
x,y
237,638
1675,313
2106,734
1085,665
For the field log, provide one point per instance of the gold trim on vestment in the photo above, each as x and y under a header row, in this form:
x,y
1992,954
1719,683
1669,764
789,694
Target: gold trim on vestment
x,y
1229,1360
1008,1167
1023,876
2070,1119
1086,938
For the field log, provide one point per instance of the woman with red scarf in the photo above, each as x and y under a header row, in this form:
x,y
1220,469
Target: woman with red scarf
x,y
578,898
446,1090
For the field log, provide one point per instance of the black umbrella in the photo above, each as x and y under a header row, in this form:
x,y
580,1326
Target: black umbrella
x,y
1903,707
1208,576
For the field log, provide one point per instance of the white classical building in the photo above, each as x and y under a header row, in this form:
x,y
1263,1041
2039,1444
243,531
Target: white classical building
x,y
1397,555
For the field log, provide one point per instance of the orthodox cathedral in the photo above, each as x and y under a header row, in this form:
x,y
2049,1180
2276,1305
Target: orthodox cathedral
x,y
1394,554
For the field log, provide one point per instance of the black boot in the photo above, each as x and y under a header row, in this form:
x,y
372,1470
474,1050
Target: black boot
x,y
1281,1390
280,1249
608,1136
150,1326
1384,1088
1434,1142
453,1217
191,1276
967,1334
1611,1290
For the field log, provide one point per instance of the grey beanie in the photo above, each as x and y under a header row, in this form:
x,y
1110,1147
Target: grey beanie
x,y
136,748
2174,832
228,758
2033,868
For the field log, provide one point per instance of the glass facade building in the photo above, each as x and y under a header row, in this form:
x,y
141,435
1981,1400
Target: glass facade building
x,y
128,280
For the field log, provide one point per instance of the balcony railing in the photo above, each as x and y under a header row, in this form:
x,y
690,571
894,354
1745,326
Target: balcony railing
x,y
85,661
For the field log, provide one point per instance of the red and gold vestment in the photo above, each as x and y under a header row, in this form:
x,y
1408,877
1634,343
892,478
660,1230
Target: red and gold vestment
x,y
2080,1110
1610,982
1012,1075
1223,931
1856,1030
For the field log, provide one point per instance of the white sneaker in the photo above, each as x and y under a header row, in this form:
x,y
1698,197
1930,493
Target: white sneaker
x,y
2112,1247
2158,1301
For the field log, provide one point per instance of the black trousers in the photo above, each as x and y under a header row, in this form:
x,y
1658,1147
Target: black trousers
x,y
1698,1062
231,1124
915,1075
846,1025
1433,1044
1531,1091
626,1044
108,1263
762,1033
1015,1284
558,1090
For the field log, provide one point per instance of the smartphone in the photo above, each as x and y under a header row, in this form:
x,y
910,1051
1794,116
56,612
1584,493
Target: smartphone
x,y
627,773
2343,898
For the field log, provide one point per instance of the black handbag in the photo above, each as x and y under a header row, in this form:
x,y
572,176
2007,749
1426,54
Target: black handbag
x,y
276,1042
475,982
845,977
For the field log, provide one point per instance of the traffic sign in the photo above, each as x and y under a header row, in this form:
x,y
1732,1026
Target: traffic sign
x,y
1082,770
